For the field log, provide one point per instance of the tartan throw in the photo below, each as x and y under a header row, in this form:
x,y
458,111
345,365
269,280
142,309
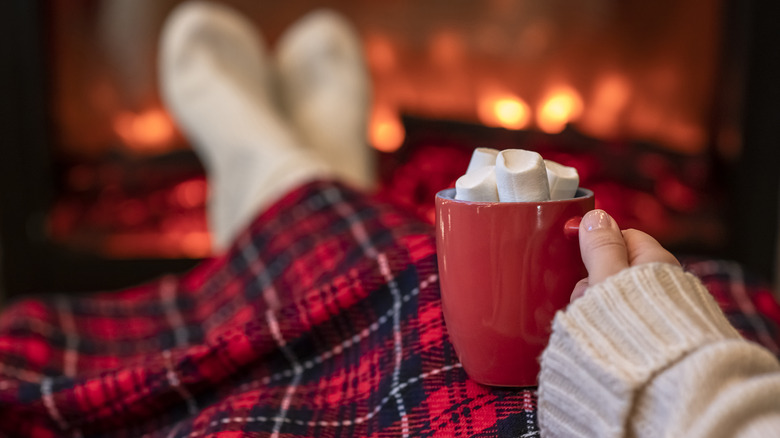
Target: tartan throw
x,y
324,319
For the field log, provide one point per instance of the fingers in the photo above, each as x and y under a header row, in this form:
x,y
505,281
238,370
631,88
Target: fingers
x,y
606,250
602,246
643,248
579,289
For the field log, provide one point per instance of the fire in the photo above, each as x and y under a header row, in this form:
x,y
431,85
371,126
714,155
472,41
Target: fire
x,y
386,132
504,110
447,48
512,113
611,96
380,53
563,105
149,131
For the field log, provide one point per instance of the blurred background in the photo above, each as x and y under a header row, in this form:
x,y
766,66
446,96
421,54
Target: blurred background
x,y
668,109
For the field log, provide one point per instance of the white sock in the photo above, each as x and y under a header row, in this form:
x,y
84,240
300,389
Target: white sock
x,y
326,91
214,79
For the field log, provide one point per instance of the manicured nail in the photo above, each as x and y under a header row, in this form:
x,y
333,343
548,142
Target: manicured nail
x,y
596,220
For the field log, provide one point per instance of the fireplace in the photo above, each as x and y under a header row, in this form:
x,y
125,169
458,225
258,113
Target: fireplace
x,y
667,108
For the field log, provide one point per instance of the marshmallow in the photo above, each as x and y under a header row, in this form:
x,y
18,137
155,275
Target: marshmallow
x,y
482,157
521,176
563,180
479,185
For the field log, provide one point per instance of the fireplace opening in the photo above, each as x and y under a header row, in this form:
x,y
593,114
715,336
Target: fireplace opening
x,y
644,98
612,71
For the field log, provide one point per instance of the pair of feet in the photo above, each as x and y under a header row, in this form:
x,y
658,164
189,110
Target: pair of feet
x,y
265,124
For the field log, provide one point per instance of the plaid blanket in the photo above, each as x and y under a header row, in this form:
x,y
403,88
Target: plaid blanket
x,y
324,319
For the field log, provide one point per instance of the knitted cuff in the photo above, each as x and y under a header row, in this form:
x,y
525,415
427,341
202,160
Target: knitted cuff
x,y
611,342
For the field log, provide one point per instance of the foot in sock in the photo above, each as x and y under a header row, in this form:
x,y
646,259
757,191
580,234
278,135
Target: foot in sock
x,y
326,92
214,79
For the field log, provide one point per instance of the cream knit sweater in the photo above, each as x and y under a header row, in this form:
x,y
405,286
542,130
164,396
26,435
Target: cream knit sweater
x,y
648,353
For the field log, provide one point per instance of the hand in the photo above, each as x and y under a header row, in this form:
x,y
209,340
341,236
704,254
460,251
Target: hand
x,y
606,250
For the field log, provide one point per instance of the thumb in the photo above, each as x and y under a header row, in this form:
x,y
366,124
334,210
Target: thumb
x,y
602,246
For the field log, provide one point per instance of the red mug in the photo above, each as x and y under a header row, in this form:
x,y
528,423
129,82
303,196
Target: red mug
x,y
505,268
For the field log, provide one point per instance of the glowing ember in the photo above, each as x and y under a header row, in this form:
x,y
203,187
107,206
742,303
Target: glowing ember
x,y
151,131
386,132
563,105
196,244
191,193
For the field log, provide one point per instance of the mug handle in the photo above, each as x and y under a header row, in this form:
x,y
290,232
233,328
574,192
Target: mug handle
x,y
571,229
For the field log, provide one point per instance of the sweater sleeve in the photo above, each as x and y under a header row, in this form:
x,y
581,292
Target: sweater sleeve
x,y
649,353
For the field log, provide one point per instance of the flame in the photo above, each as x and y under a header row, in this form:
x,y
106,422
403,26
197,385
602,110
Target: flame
x,y
447,48
513,113
562,106
148,131
612,92
610,98
504,110
386,133
380,53
645,119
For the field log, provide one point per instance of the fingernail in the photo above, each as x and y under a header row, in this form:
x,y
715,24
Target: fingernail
x,y
596,220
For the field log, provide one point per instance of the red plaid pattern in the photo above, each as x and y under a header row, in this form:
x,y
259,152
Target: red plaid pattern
x,y
324,319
